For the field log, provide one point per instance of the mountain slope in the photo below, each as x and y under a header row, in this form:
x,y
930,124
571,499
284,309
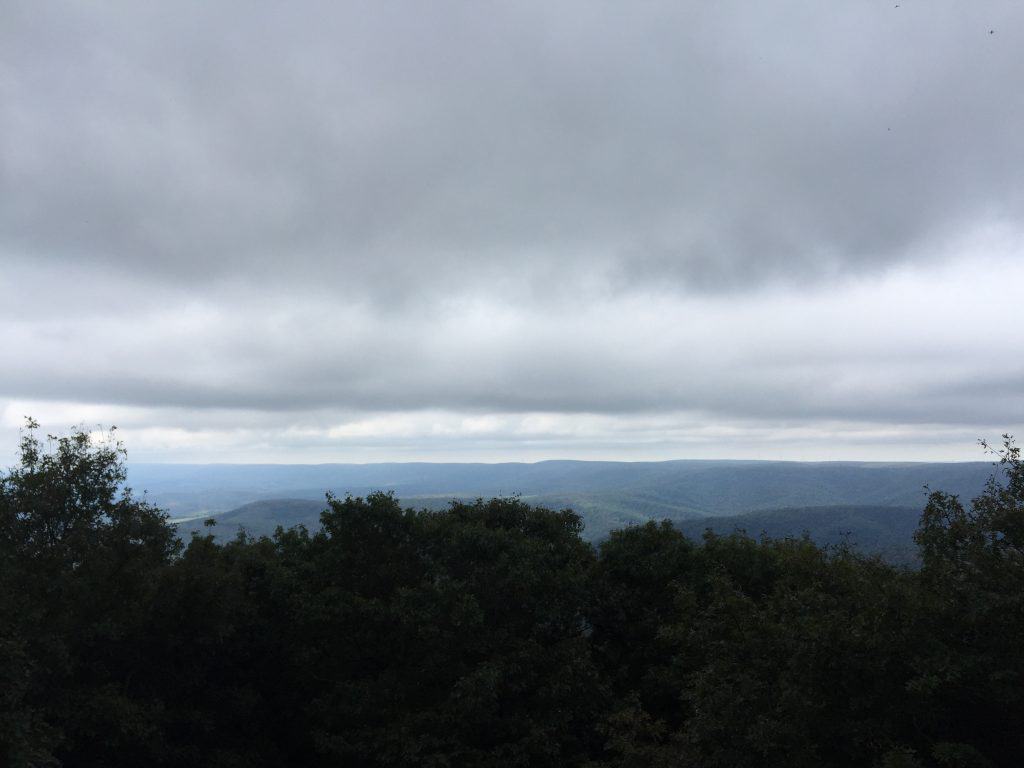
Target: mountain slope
x,y
885,531
700,487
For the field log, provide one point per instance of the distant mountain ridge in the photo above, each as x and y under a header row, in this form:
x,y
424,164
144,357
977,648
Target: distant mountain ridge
x,y
608,495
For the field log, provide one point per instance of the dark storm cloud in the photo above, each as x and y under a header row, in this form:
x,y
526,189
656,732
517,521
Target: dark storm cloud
x,y
388,148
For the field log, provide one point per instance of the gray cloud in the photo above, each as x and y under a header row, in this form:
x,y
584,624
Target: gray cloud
x,y
916,349
774,216
369,144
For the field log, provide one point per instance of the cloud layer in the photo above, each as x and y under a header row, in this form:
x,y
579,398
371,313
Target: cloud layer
x,y
635,227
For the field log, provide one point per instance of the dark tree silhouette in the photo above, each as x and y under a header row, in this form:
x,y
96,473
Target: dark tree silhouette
x,y
492,634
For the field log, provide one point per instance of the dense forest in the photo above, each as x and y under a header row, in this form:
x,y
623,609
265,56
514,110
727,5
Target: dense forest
x,y
492,634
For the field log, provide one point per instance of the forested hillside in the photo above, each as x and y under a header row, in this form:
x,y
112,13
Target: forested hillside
x,y
884,531
492,634
607,495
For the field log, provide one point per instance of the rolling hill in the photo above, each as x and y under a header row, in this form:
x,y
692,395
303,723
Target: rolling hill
x,y
608,495
885,531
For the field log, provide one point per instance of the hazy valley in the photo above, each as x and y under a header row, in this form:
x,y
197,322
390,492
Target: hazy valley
x,y
873,506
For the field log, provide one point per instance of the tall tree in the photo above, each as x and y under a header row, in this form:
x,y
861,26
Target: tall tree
x,y
970,681
85,556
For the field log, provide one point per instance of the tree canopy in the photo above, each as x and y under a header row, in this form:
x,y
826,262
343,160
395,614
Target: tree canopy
x,y
492,634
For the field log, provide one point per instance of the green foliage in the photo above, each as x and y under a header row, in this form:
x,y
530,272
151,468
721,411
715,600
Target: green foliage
x,y
491,634
970,673
84,559
900,757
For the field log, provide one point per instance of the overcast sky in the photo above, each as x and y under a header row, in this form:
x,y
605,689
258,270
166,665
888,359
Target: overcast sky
x,y
247,231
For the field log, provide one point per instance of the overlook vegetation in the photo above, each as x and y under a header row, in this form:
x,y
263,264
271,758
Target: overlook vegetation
x,y
492,633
